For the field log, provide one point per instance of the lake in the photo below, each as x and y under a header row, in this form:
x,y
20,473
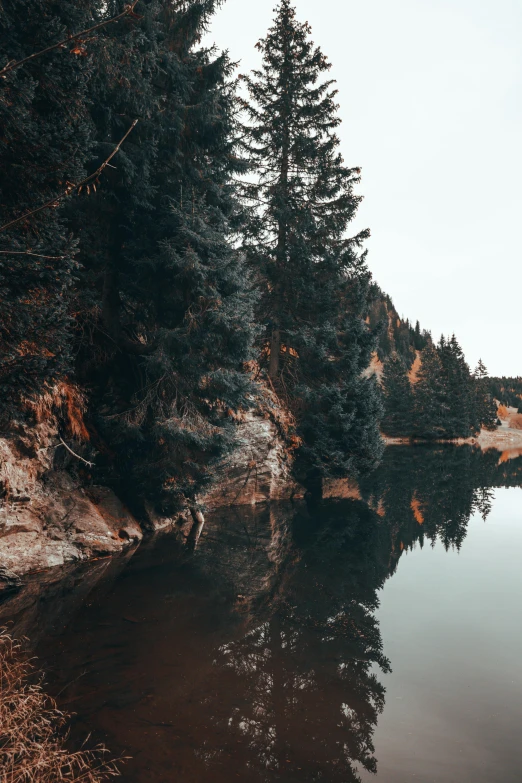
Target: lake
x,y
372,637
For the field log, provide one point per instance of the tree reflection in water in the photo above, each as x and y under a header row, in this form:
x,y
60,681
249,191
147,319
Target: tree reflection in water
x,y
258,657
308,670
310,699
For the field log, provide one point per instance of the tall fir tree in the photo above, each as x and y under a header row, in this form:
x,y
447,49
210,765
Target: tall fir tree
x,y
485,406
313,279
417,337
459,419
431,398
45,139
165,307
398,398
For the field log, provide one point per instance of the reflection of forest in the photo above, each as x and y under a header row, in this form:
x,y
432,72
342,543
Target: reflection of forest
x,y
429,493
258,657
309,697
306,670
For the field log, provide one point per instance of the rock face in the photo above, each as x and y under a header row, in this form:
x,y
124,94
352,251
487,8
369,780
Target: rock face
x,y
46,519
257,471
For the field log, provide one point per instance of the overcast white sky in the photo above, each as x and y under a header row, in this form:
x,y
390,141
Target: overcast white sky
x,y
431,101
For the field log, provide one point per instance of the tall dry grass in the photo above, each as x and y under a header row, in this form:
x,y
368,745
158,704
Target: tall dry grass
x,y
33,732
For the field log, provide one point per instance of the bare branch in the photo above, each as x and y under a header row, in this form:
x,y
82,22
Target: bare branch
x,y
129,10
63,443
71,187
28,253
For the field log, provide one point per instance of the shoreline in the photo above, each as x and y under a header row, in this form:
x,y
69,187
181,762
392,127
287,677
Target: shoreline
x,y
501,439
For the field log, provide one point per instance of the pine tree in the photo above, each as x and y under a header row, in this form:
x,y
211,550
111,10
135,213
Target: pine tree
x,y
314,281
485,407
431,398
45,139
460,413
165,306
417,338
398,398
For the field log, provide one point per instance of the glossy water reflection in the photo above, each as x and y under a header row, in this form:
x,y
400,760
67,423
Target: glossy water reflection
x,y
264,655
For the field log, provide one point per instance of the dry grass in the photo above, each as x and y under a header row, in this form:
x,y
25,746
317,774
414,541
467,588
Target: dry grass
x,y
66,400
33,732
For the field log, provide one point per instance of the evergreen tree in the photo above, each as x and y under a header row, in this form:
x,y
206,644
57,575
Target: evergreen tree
x,y
431,400
45,139
165,306
314,281
398,398
459,420
417,338
485,406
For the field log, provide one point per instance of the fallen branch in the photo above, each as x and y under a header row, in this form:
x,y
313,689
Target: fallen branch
x,y
197,527
71,187
63,443
129,10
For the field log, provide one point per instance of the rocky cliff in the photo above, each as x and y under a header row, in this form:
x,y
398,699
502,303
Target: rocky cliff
x,y
48,519
259,469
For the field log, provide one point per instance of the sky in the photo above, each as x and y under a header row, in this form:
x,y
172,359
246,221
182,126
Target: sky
x,y
430,97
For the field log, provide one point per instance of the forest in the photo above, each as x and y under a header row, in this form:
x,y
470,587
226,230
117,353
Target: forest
x,y
175,250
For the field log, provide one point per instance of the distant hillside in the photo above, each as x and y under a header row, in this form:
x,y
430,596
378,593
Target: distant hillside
x,y
396,334
429,391
508,391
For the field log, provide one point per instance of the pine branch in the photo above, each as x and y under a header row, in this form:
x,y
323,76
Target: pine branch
x,y
128,11
71,187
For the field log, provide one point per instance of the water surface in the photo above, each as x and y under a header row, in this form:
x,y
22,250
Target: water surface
x,y
368,638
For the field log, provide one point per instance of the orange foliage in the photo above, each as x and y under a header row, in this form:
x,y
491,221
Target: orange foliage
x,y
413,374
509,454
417,510
502,412
26,348
64,398
291,351
515,421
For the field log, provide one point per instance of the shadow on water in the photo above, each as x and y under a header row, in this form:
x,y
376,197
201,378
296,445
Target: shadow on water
x,y
257,657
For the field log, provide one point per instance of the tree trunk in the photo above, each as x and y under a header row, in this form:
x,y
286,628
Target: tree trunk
x,y
275,350
282,235
111,304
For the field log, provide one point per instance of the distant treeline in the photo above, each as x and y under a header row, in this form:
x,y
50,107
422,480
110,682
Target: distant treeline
x,y
394,334
444,400
508,391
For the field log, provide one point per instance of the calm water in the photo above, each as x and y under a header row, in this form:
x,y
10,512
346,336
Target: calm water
x,y
378,634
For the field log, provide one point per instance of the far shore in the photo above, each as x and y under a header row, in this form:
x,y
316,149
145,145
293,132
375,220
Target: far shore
x,y
502,439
